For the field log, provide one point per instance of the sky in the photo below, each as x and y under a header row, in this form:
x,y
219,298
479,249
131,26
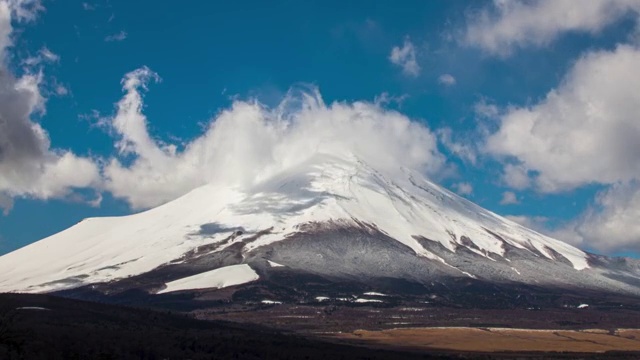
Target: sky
x,y
529,108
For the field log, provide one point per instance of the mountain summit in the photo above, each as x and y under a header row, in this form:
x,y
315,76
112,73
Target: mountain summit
x,y
331,217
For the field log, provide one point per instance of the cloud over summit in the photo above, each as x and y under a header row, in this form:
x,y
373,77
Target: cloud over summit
x,y
241,144
250,141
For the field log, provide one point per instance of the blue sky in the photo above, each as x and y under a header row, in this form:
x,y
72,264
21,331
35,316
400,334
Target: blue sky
x,y
533,104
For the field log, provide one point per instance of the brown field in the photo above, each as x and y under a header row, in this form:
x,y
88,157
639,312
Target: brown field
x,y
501,340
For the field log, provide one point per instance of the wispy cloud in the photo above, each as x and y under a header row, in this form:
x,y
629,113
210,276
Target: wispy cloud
x,y
385,99
44,55
88,6
120,36
405,57
463,149
447,80
61,90
49,55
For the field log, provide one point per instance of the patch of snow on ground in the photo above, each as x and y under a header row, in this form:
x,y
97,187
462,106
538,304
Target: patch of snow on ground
x,y
31,308
274,264
368,300
373,293
217,279
271,302
583,306
322,298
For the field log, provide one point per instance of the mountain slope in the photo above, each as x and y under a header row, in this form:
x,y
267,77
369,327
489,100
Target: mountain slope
x,y
329,216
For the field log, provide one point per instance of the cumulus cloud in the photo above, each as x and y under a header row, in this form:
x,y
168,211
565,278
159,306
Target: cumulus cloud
x,y
28,165
508,198
405,57
585,131
249,141
512,24
447,80
610,223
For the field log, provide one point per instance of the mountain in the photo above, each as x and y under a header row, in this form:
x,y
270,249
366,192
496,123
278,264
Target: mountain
x,y
310,232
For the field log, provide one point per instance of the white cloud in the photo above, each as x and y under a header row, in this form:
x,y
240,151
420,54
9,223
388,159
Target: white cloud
x,y
17,11
508,198
516,177
119,36
6,203
44,56
512,24
5,28
250,141
385,99
611,223
537,223
585,131
24,10
49,55
88,7
463,188
405,57
447,80
61,90
462,149
484,109
28,165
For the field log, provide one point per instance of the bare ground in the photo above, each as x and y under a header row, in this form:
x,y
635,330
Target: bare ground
x,y
500,339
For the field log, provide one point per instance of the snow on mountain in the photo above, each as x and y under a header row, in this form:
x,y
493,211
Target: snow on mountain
x,y
323,191
361,300
214,279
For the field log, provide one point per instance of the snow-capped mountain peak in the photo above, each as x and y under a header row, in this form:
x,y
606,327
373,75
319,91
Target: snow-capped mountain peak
x,y
323,193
